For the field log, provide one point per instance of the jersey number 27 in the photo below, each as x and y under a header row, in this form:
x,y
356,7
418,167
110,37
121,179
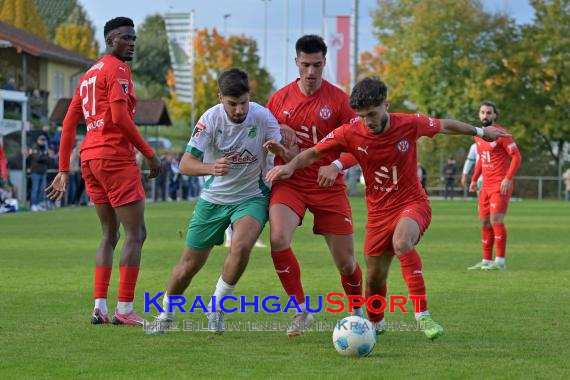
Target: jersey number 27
x,y
84,93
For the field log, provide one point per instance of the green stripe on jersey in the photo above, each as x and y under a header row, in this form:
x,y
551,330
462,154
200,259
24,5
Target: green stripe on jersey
x,y
209,182
264,189
195,152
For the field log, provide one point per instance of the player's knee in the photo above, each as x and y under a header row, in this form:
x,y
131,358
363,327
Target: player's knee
x,y
116,237
137,235
495,220
402,246
279,241
239,249
111,237
347,267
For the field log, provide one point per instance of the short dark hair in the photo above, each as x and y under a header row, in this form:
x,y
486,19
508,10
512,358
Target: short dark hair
x,y
489,103
311,43
369,92
115,23
233,82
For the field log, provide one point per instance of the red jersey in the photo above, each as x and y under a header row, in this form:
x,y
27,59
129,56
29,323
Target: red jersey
x,y
495,159
107,81
312,118
388,160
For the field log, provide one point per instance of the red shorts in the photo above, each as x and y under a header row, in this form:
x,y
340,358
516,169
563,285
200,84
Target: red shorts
x,y
492,202
114,182
380,230
329,206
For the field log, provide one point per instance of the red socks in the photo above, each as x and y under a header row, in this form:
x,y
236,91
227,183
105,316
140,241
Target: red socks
x,y
500,238
487,240
102,278
376,304
127,283
289,272
352,284
412,272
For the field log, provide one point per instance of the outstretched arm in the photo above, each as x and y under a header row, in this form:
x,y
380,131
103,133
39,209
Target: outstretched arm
x,y
328,174
302,160
454,127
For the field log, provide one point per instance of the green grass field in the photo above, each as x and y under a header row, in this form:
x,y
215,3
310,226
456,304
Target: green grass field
x,y
511,324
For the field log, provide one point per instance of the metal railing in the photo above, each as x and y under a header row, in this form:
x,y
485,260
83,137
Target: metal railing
x,y
526,187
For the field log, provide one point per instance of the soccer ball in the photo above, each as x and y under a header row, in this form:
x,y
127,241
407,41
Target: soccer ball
x,y
354,336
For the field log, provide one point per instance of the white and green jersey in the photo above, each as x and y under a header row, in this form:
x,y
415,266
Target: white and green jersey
x,y
216,136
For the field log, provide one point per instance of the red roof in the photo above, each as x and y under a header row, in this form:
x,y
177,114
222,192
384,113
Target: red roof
x,y
34,45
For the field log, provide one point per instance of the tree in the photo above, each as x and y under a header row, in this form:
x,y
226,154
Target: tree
x,y
77,33
435,57
78,38
23,14
246,56
537,79
54,13
152,60
435,53
213,55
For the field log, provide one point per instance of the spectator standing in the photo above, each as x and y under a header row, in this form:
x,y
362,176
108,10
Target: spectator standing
x,y
38,162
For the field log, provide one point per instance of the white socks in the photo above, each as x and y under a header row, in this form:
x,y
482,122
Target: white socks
x,y
222,289
166,305
124,307
500,260
487,262
101,304
421,314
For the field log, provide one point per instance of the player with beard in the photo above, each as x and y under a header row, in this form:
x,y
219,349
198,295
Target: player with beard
x,y
226,145
312,107
105,98
498,162
399,212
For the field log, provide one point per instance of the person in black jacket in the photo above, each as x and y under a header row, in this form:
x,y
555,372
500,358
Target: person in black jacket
x,y
38,162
